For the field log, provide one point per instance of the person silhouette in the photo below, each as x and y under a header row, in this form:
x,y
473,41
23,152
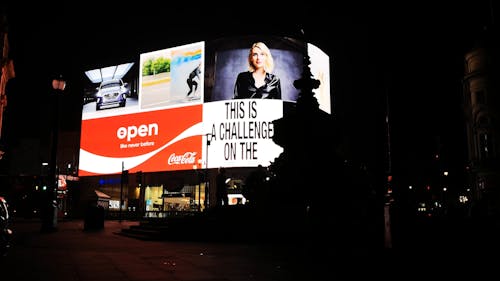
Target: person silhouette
x,y
221,186
255,185
191,81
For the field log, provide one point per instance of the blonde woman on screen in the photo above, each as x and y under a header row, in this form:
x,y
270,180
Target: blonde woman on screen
x,y
258,82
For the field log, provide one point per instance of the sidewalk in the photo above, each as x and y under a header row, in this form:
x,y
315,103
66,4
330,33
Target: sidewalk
x,y
71,254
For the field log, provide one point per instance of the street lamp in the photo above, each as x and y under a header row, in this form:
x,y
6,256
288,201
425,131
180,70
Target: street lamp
x,y
207,181
49,222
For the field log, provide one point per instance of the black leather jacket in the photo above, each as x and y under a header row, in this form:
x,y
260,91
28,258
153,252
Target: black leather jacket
x,y
244,87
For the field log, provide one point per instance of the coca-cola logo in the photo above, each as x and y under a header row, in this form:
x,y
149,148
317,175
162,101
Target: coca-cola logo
x,y
186,158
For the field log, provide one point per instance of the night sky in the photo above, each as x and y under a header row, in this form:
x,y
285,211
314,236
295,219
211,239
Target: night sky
x,y
412,53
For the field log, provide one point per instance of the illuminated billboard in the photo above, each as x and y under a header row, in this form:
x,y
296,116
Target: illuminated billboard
x,y
199,105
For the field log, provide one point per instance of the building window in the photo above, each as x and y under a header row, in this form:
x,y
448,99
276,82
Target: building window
x,y
481,184
485,145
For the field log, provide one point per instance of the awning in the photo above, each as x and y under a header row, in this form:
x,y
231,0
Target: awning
x,y
101,195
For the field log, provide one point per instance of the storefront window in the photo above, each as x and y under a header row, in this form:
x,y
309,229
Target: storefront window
x,y
153,198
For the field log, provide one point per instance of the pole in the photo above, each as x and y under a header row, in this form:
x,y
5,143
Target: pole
x,y
49,216
52,220
122,178
388,187
142,195
207,181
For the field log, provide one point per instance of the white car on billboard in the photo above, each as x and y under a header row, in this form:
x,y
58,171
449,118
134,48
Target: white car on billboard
x,y
111,93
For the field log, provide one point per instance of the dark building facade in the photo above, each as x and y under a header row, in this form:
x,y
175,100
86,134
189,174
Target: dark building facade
x,y
482,112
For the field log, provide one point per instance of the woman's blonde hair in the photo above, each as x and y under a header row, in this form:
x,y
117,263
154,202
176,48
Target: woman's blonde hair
x,y
269,63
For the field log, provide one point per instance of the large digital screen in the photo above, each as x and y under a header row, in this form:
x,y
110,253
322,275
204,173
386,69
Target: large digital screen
x,y
194,106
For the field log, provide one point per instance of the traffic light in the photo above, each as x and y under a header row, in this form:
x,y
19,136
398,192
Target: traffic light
x,y
139,178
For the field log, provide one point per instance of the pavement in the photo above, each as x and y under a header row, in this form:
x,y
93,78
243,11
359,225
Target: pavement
x,y
72,253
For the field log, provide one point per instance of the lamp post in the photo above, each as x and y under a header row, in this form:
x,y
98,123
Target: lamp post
x,y
207,181
49,222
